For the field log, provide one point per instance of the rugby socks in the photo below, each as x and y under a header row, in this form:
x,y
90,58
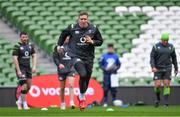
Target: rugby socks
x,y
20,99
166,93
23,96
157,92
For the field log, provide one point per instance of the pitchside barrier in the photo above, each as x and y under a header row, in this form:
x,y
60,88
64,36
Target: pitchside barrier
x,y
45,93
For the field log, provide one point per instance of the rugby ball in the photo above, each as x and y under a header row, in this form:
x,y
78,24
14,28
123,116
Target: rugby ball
x,y
117,103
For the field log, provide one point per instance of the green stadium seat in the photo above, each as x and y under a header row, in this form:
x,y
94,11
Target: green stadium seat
x,y
50,18
26,24
47,4
37,18
141,4
45,13
20,4
48,27
95,9
26,9
88,4
74,4
34,4
10,9
126,22
59,13
13,15
39,9
31,13
61,4
52,9
32,29
56,23
67,9
54,32
42,23
81,8
168,3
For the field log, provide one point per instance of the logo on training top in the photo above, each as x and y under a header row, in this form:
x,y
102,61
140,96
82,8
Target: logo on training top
x,y
45,89
110,63
21,48
76,32
66,57
26,53
82,41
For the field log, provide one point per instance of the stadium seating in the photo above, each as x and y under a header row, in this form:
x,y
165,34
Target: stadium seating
x,y
133,26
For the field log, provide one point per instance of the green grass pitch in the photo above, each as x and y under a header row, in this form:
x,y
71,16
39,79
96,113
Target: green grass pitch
x,y
142,111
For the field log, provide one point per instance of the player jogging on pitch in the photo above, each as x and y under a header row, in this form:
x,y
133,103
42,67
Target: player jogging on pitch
x,y
83,39
162,57
65,72
22,52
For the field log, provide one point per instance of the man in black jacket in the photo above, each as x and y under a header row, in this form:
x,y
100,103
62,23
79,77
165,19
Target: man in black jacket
x,y
162,57
83,39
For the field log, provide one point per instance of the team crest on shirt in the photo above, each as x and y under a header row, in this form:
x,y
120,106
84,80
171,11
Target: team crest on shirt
x,y
30,47
170,48
76,32
21,48
89,31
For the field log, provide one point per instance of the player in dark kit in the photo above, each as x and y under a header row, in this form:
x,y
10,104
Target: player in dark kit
x,y
162,57
83,39
22,52
65,71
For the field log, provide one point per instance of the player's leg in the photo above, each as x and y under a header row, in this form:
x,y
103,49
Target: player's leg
x,y
81,69
166,88
157,91
113,93
25,89
71,91
89,67
22,89
106,87
157,86
62,79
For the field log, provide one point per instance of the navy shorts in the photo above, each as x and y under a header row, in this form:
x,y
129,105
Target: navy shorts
x,y
26,74
63,76
162,75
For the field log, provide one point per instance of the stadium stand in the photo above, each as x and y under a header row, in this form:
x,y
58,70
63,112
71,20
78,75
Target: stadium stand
x,y
132,25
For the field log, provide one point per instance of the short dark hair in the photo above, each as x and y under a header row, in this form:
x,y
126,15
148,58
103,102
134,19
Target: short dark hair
x,y
110,45
83,13
22,33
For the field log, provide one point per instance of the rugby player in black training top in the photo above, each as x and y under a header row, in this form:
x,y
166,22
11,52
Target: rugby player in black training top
x,y
22,53
83,39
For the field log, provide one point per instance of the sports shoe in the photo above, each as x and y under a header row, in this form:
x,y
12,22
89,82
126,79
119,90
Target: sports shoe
x,y
82,104
25,106
19,105
72,105
166,105
105,105
63,106
157,103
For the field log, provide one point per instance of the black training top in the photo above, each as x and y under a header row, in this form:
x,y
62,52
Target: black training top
x,y
77,46
62,59
23,51
162,57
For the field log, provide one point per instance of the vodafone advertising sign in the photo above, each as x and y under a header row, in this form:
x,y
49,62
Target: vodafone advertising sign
x,y
45,89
